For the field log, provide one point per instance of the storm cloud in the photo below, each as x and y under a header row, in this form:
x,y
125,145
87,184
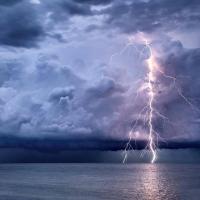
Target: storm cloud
x,y
59,83
153,15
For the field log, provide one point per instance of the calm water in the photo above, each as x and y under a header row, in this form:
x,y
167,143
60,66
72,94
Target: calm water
x,y
99,181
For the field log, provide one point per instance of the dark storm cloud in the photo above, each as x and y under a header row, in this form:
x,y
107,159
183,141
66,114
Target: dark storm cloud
x,y
23,24
148,16
62,10
9,3
72,8
20,25
57,145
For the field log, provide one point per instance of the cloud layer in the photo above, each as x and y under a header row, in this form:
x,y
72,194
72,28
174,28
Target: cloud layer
x,y
57,78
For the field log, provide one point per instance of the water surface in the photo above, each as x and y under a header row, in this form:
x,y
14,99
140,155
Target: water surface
x,y
99,181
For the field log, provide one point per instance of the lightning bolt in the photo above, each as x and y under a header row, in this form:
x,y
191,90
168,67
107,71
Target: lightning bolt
x,y
149,111
151,94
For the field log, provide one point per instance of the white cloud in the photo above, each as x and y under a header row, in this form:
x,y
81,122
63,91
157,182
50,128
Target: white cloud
x,y
35,1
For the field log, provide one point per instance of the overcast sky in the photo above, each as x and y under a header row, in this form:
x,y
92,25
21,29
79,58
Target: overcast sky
x,y
57,79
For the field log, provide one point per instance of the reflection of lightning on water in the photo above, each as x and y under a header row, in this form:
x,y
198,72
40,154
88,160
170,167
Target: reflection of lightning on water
x,y
149,111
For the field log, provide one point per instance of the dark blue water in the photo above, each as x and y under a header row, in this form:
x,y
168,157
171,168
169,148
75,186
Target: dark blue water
x,y
99,181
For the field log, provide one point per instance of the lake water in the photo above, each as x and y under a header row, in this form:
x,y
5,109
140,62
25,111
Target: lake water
x,y
99,182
